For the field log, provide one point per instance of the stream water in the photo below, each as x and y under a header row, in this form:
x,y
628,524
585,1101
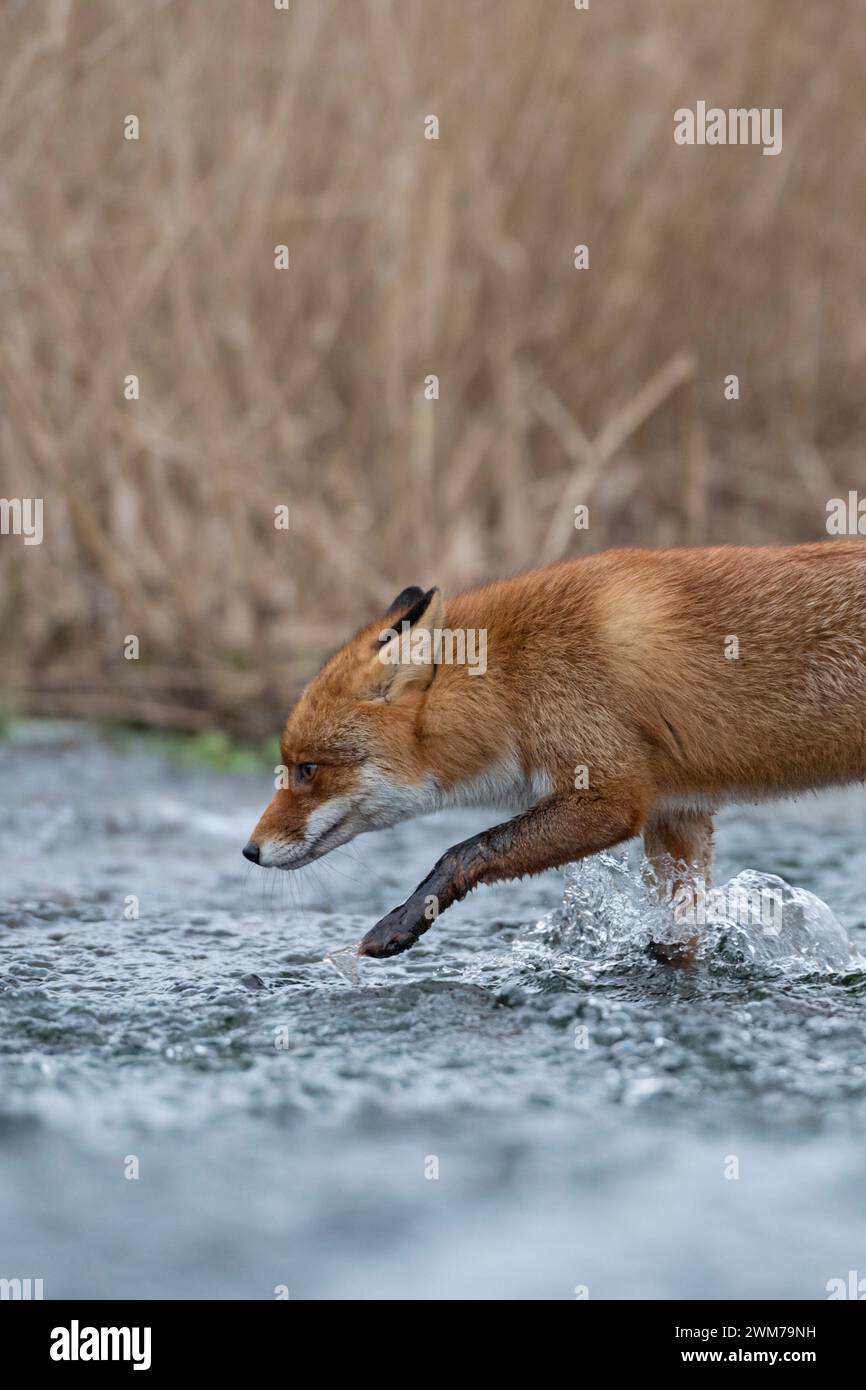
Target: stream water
x,y
193,1103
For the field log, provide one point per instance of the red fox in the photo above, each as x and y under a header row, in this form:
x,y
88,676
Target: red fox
x,y
626,693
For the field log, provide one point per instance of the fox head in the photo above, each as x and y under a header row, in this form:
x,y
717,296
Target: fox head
x,y
351,751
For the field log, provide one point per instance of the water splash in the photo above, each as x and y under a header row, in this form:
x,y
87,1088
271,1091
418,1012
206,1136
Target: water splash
x,y
346,962
792,928
611,910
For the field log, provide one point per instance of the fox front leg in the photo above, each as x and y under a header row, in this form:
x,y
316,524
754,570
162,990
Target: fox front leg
x,y
555,832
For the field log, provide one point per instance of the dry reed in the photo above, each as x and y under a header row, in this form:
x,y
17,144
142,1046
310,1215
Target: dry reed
x,y
409,257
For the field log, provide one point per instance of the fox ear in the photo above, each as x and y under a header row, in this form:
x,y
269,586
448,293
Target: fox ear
x,y
406,599
404,661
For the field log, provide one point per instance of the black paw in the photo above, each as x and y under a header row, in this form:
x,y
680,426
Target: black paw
x,y
394,934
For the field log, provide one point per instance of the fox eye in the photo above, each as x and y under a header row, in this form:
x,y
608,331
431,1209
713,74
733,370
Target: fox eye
x,y
307,771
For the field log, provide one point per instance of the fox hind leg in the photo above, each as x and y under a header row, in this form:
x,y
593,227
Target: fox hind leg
x,y
679,848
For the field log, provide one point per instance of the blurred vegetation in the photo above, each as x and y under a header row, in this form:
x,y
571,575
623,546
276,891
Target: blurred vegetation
x,y
213,749
305,387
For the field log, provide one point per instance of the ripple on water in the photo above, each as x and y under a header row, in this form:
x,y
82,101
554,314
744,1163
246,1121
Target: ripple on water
x,y
580,1097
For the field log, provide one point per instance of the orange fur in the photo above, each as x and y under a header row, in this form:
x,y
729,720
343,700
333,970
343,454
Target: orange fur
x,y
615,663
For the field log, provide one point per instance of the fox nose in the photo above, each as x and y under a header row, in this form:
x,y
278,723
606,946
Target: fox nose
x,y
251,852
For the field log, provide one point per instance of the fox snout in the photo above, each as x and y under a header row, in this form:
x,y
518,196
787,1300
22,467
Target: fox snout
x,y
279,838
288,836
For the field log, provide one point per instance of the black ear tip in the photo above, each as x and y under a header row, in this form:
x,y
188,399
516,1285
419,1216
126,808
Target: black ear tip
x,y
411,605
407,598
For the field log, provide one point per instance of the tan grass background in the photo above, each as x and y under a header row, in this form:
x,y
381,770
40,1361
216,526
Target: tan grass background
x,y
408,257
